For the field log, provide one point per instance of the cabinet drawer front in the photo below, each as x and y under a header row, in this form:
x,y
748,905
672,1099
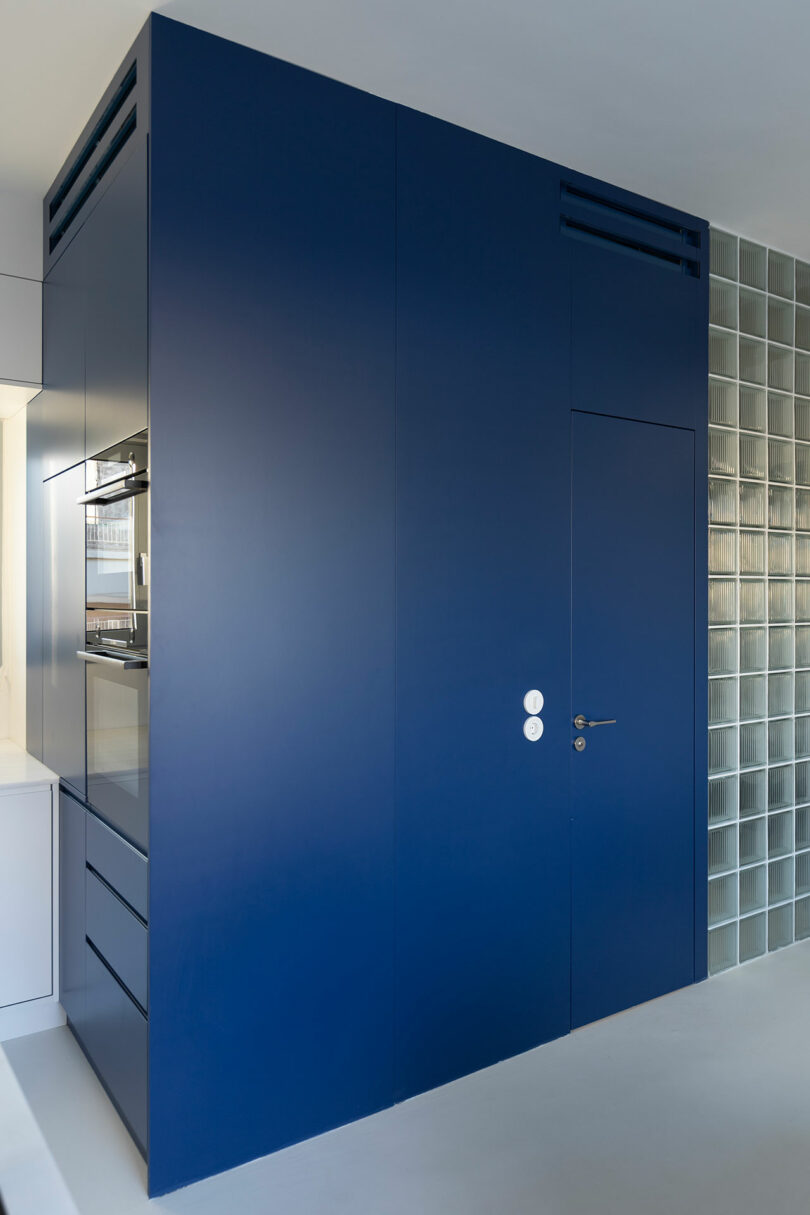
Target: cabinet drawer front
x,y
114,1036
121,865
118,936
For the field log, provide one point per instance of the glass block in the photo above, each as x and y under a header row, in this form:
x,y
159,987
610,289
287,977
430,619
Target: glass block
x,y
753,841
723,898
780,507
722,601
801,780
722,749
753,456
780,787
802,600
752,554
723,402
722,947
723,501
722,849
780,600
802,695
780,319
780,414
753,799
802,375
780,554
753,936
722,651
802,909
753,362
802,282
723,253
780,274
803,510
803,827
802,646
802,546
802,332
780,740
753,745
802,738
780,648
801,418
753,889
780,365
723,353
753,501
780,458
723,304
753,408
780,833
803,873
802,456
780,926
723,795
754,265
722,701
780,694
723,453
780,881
753,311
753,653
752,602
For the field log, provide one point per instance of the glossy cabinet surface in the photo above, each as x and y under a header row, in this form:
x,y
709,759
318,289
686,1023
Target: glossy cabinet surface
x,y
115,1037
72,974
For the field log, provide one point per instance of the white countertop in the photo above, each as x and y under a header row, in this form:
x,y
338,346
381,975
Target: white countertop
x,y
19,770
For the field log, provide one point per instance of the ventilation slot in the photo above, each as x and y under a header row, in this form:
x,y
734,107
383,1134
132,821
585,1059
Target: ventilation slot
x,y
127,127
596,220
97,134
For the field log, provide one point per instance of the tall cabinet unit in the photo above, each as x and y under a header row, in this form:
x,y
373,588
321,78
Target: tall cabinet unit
x,y
372,350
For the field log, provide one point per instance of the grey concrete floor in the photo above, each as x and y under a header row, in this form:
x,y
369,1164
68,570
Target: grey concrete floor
x,y
697,1102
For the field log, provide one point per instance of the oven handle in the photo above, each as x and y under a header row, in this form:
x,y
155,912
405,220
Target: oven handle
x,y
123,664
115,491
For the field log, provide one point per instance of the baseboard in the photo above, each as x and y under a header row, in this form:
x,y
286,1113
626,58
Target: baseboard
x,y
30,1017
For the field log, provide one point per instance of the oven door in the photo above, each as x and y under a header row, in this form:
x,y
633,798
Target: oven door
x,y
118,740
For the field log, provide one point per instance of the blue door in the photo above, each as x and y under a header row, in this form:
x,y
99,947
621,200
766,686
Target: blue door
x,y
632,783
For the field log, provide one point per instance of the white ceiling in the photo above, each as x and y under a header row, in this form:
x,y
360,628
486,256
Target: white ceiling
x,y
704,104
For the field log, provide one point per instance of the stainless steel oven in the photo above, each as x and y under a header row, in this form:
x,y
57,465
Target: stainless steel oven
x,y
116,649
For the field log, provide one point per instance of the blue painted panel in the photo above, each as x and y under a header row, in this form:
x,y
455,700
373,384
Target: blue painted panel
x,y
633,648
121,865
271,738
114,1037
118,936
72,979
482,603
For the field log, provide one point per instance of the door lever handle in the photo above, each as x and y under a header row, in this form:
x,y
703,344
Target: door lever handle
x,y
580,722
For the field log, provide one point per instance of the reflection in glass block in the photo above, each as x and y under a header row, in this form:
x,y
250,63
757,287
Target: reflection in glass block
x,y
723,253
722,601
780,366
803,510
753,841
802,782
722,799
723,353
780,600
802,464
752,554
803,827
722,502
780,833
802,646
753,933
753,745
780,788
780,554
780,320
722,849
803,873
754,265
803,600
802,327
723,304
780,694
780,274
802,555
780,507
753,798
780,459
752,408
754,363
780,414
780,740
722,651
802,697
752,312
753,656
780,881
722,947
802,740
753,696
780,648
802,919
753,456
723,749
780,926
722,701
723,453
802,282
753,889
723,402
752,602
801,418
722,898
752,504
802,378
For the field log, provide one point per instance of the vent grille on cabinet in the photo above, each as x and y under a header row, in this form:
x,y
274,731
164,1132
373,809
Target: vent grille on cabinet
x,y
588,217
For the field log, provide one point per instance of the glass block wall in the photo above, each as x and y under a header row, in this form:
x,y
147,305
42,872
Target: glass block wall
x,y
759,600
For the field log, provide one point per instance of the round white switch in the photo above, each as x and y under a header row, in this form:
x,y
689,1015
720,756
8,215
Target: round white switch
x,y
533,702
533,728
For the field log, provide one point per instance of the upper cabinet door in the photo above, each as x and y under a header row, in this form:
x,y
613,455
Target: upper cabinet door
x,y
61,404
116,338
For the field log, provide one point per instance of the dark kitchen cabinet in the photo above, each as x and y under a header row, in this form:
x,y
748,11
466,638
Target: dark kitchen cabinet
x,y
72,869
63,358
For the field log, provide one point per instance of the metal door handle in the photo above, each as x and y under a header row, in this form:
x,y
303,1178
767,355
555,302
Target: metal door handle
x,y
580,722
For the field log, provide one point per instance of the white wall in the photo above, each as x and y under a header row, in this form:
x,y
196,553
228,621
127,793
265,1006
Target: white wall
x,y
12,579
